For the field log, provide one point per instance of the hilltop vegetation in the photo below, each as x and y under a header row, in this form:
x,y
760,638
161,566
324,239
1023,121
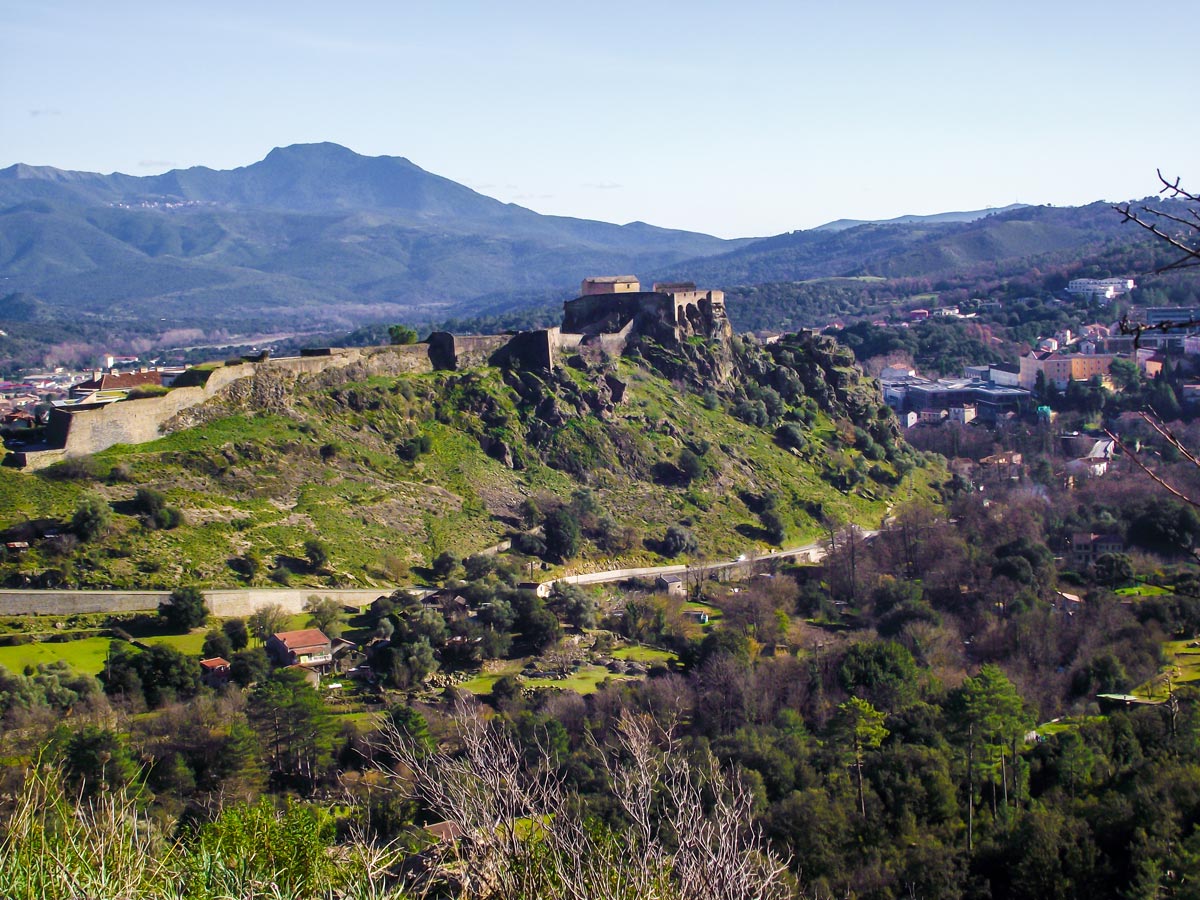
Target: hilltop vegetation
x,y
389,472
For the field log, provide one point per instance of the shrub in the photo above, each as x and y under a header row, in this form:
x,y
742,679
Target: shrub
x,y
143,391
149,501
402,334
562,534
414,447
679,540
80,468
236,631
317,554
92,518
444,564
791,435
690,466
120,472
217,643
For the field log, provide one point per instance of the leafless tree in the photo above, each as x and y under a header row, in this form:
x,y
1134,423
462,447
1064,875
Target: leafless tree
x,y
1179,229
524,833
1169,436
1183,235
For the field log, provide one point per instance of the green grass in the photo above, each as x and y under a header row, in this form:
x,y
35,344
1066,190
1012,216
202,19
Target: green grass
x,y
482,683
715,614
1182,667
639,653
86,655
1066,724
585,681
192,643
1142,590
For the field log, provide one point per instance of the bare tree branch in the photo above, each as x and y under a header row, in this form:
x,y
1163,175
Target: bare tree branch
x,y
1141,465
1146,216
525,835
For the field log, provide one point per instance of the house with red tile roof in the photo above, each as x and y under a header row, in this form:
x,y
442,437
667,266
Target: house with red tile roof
x,y
214,672
308,647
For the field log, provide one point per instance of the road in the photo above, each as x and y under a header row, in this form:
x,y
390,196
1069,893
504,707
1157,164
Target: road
x,y
242,602
812,552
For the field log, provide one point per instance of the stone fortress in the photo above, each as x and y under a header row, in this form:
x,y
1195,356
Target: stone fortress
x,y
608,313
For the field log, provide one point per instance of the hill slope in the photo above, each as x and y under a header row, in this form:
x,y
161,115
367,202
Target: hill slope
x,y
960,216
389,471
919,248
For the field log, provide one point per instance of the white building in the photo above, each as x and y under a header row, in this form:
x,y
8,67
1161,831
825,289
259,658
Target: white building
x,y
1106,288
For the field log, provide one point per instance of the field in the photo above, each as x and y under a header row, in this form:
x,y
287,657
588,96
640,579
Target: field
x,y
191,643
1142,590
86,655
648,655
482,683
585,681
1182,667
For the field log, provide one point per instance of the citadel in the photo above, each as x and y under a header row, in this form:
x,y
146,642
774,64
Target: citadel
x,y
608,314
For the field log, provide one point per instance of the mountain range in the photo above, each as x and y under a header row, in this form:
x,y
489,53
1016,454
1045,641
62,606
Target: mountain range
x,y
316,237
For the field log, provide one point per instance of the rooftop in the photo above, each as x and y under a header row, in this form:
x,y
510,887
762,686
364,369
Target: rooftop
x,y
304,638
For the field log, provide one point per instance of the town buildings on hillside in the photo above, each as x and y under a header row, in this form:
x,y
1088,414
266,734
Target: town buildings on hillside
x,y
916,399
1060,369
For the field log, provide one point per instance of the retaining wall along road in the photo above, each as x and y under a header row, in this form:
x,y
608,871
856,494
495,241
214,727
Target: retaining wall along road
x,y
220,602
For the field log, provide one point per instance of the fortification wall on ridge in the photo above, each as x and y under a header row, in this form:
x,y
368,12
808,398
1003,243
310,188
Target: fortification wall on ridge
x,y
452,352
95,428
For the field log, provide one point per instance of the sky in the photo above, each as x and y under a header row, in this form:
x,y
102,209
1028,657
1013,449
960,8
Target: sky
x,y
735,119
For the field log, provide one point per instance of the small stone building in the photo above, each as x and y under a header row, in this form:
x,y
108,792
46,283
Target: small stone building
x,y
672,584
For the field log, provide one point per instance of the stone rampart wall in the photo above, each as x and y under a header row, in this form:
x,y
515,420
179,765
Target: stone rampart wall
x,y
93,429
455,352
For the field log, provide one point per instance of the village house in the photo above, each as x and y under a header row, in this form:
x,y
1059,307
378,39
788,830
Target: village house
x,y
308,647
214,672
1087,547
963,415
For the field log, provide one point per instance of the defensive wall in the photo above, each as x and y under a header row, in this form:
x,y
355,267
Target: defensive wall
x,y
453,352
91,428
670,312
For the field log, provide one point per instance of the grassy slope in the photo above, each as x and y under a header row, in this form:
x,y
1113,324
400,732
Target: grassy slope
x,y
86,655
260,480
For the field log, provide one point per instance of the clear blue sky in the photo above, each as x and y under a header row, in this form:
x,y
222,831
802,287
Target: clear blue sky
x,y
736,119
